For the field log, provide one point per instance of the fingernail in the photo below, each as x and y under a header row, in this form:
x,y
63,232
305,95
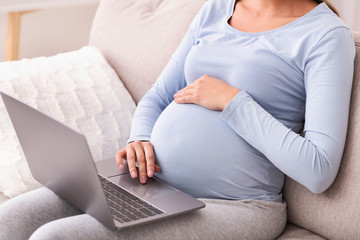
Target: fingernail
x,y
150,173
133,174
121,166
143,179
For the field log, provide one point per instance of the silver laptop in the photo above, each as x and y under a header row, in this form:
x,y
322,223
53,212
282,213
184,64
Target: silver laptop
x,y
59,158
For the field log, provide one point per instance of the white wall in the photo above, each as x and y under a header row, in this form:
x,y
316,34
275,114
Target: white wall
x,y
51,31
349,11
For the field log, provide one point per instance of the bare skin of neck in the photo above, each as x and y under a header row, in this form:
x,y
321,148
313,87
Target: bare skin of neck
x,y
265,15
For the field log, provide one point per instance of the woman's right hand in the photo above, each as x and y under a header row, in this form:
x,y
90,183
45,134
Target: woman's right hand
x,y
142,153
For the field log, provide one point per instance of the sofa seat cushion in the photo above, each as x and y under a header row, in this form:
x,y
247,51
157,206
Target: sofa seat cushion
x,y
77,88
293,232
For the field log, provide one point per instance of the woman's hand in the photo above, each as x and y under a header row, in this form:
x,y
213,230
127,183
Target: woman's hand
x,y
141,153
208,92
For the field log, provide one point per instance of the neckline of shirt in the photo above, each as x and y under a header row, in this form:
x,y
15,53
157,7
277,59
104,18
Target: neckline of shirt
x,y
231,11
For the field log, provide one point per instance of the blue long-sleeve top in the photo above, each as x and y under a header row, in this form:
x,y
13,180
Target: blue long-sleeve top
x,y
295,77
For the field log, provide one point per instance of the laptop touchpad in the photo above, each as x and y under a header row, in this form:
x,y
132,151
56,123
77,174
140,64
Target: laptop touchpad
x,y
152,189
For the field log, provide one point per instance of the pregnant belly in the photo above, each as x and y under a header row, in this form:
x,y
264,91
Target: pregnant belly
x,y
200,154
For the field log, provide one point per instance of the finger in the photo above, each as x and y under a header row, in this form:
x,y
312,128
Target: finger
x,y
130,158
141,160
157,168
150,159
184,99
183,91
119,158
179,93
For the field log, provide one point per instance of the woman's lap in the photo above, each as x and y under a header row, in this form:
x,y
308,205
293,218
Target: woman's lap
x,y
45,216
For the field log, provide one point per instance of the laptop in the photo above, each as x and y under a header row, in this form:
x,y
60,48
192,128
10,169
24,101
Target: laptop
x,y
60,159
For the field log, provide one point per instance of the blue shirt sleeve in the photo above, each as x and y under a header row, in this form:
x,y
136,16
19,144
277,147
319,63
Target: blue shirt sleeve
x,y
312,160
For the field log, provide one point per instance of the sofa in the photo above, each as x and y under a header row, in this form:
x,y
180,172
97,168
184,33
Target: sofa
x,y
95,90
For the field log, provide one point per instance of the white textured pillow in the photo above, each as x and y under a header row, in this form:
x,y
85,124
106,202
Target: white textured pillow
x,y
78,88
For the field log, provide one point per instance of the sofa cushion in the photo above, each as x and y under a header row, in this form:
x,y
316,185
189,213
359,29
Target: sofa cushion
x,y
293,232
142,37
333,213
3,198
78,88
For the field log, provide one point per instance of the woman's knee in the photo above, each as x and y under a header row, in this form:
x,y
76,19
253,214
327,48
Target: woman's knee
x,y
17,219
10,216
81,226
51,231
22,215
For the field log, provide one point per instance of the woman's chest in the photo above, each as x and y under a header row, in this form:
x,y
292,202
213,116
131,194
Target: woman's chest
x,y
251,66
255,24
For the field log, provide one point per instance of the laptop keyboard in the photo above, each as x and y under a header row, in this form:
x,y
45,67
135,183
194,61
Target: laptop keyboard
x,y
124,206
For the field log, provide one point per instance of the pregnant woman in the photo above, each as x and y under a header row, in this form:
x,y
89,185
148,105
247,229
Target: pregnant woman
x,y
222,123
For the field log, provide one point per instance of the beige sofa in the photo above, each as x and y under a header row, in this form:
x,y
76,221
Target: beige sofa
x,y
137,38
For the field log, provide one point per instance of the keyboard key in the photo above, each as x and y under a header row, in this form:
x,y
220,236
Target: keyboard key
x,y
124,206
140,214
146,211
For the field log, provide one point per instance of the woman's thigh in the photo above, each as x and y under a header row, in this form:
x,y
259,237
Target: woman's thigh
x,y
22,215
220,219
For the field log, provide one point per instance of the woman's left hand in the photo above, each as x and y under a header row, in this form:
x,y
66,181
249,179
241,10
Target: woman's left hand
x,y
208,92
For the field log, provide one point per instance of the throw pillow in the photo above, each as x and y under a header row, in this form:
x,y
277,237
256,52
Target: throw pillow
x,y
77,88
